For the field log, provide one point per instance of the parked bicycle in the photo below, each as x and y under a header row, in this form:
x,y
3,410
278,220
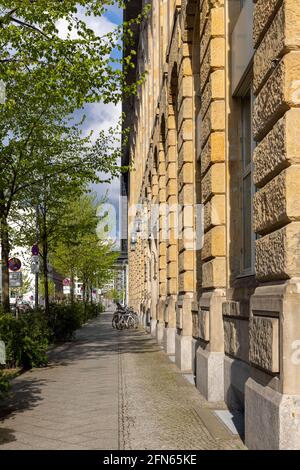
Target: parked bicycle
x,y
125,318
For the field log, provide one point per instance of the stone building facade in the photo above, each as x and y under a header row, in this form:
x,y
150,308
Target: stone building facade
x,y
214,132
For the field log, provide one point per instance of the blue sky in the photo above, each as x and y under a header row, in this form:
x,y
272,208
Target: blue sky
x,y
102,116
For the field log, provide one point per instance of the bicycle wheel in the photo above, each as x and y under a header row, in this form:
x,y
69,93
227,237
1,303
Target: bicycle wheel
x,y
131,322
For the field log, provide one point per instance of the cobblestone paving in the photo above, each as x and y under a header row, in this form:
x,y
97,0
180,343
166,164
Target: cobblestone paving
x,y
160,408
107,390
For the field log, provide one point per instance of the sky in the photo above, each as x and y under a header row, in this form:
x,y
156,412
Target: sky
x,y
100,116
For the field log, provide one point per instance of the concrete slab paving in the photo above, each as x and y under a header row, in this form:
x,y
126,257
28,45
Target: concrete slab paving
x,y
108,390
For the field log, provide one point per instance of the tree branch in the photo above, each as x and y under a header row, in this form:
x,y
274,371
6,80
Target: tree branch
x,y
23,23
8,15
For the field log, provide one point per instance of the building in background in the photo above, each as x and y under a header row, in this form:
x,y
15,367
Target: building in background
x,y
215,124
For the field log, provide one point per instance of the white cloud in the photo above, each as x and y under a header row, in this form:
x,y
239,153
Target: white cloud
x,y
99,116
102,116
100,25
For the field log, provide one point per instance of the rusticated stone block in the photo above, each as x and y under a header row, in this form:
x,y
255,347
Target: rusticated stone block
x,y
270,48
278,254
215,26
214,243
172,288
236,338
214,58
205,38
214,90
186,67
204,14
281,91
213,151
186,195
203,317
185,152
185,131
264,343
214,120
231,308
279,149
186,260
279,201
214,212
186,281
263,13
206,98
214,181
186,110
214,273
283,34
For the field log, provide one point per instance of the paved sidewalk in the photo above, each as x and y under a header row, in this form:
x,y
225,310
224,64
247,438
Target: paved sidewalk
x,y
109,390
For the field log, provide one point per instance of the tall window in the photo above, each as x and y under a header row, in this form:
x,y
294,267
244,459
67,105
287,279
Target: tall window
x,y
247,147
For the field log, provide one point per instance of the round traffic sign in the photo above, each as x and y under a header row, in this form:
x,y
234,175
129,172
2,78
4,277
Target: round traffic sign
x,y
14,264
35,250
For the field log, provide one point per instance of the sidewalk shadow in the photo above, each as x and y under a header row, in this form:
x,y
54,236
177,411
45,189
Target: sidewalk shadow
x,y
6,435
25,394
94,343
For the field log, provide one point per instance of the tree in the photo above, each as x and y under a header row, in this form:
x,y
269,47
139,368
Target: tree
x,y
47,78
79,235
26,285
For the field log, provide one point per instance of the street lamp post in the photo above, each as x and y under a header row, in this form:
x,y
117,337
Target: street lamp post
x,y
36,293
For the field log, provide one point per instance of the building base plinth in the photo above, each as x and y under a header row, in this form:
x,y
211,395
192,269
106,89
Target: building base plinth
x,y
183,352
153,327
210,374
272,420
236,374
169,340
195,346
159,332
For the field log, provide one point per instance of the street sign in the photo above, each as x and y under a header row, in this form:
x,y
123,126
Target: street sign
x,y
2,353
66,290
35,250
67,282
15,280
35,264
14,264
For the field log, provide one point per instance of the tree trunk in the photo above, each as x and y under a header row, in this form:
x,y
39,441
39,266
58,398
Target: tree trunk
x,y
46,282
72,290
4,261
45,262
85,295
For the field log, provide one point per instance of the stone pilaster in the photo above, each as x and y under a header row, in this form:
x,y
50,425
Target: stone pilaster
x,y
186,191
273,391
172,206
162,249
210,353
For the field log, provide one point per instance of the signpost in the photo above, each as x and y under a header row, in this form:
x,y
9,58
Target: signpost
x,y
2,353
67,286
35,264
35,250
15,280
